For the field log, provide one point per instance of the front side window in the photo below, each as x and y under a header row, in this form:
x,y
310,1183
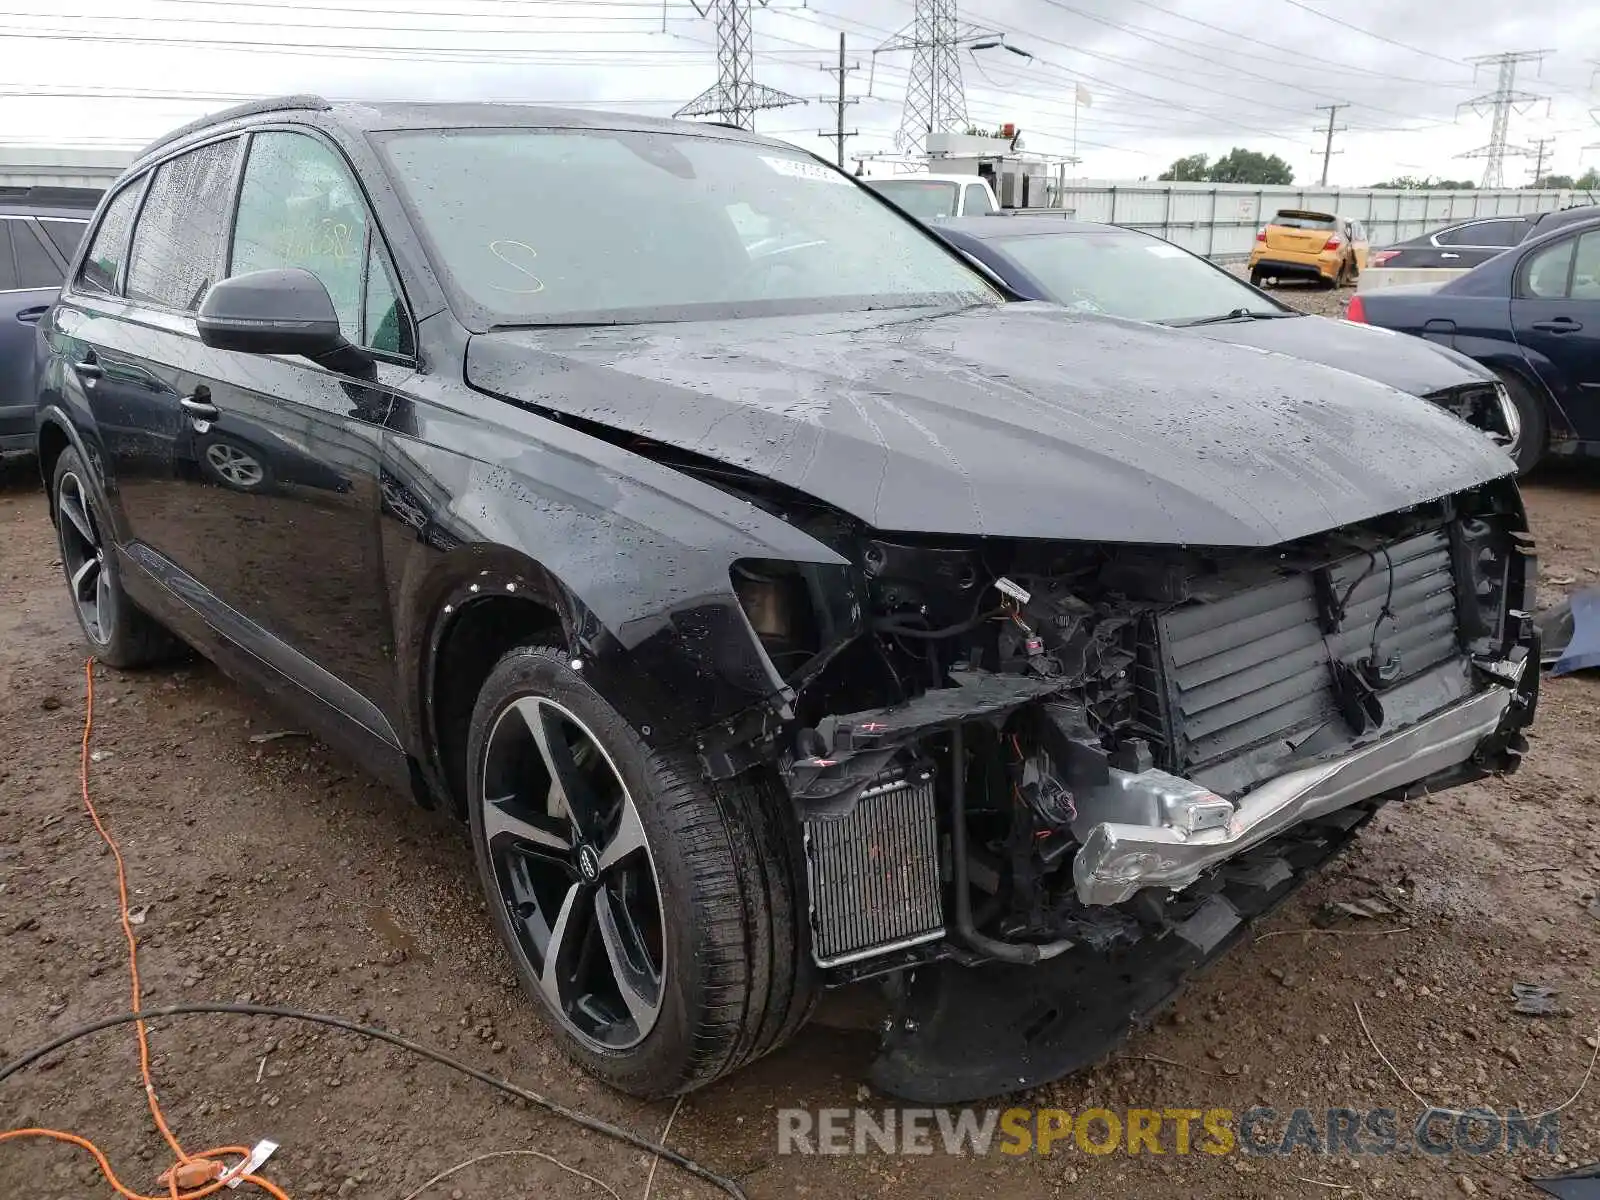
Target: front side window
x,y
977,204
178,241
1123,274
110,245
384,325
541,227
299,207
1546,273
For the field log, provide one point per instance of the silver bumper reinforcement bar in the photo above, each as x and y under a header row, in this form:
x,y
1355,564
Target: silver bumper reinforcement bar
x,y
1181,829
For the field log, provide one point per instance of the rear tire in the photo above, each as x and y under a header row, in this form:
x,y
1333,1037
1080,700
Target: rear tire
x,y
1533,438
1257,279
123,635
715,969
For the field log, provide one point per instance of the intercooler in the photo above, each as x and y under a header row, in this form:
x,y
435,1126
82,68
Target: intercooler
x,y
1244,676
874,874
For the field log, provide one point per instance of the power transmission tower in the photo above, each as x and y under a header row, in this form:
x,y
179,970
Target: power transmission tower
x,y
736,95
936,101
839,135
1327,148
1501,102
1541,147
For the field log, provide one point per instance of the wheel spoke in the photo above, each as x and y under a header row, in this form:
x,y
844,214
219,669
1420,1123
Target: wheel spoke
x,y
555,945
82,576
637,981
628,839
569,788
500,820
102,602
72,510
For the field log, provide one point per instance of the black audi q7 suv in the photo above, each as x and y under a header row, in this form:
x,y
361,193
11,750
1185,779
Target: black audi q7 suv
x,y
780,605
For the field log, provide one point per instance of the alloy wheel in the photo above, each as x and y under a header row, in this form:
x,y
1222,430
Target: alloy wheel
x,y
234,465
83,556
575,875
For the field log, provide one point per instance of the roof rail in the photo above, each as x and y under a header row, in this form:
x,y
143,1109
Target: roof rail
x,y
248,109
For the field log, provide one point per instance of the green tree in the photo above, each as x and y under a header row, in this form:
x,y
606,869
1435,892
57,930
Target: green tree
x,y
1187,170
1251,166
1589,181
1552,181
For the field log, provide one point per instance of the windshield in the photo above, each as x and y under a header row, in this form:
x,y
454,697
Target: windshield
x,y
1131,275
924,199
582,226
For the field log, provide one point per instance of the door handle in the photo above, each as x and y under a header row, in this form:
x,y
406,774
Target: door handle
x,y
199,406
30,316
1559,325
1447,254
88,369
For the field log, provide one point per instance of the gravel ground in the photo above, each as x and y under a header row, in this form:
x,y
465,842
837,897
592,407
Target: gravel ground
x,y
1307,297
275,872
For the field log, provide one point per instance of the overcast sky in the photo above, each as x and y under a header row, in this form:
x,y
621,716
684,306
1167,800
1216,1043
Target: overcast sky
x,y
1164,77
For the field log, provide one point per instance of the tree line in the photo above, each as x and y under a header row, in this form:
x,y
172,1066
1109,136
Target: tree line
x,y
1268,170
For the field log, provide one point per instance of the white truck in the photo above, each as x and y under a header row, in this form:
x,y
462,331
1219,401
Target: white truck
x,y
937,197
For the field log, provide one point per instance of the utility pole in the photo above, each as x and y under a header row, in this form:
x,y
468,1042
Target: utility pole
x,y
736,95
839,134
1501,102
936,99
1540,146
1327,147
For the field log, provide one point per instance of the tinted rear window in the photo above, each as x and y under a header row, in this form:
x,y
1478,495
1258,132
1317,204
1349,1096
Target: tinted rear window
x,y
1304,220
178,243
35,267
110,247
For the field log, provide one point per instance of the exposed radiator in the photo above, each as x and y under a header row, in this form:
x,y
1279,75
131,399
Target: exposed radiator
x,y
1253,668
874,875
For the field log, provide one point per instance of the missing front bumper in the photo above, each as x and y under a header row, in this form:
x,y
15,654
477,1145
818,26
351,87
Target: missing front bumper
x,y
1189,831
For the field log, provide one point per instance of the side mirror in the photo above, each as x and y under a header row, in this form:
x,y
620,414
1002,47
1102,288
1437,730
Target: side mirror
x,y
284,311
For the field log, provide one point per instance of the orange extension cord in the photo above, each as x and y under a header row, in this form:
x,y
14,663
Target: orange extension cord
x,y
188,1176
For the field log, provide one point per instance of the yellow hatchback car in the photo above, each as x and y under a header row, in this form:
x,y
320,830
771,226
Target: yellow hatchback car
x,y
1309,245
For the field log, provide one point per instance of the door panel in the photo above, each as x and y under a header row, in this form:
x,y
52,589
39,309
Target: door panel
x,y
1556,320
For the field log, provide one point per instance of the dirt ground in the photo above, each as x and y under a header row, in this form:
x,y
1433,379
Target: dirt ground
x,y
274,872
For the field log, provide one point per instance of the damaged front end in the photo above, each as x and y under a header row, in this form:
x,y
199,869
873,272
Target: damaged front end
x,y
1039,783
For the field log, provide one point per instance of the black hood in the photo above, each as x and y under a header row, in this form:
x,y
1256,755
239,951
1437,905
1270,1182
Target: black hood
x,y
1407,363
1018,420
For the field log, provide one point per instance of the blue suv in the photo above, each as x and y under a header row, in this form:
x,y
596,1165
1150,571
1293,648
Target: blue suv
x,y
40,229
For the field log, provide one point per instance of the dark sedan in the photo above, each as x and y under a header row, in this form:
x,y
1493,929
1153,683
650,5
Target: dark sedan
x,y
1531,315
1108,271
1466,244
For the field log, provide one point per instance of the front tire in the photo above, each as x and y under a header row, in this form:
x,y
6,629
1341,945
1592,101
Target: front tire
x,y
122,634
656,917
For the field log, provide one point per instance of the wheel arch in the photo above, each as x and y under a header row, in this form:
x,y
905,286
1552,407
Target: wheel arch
x,y
56,436
476,603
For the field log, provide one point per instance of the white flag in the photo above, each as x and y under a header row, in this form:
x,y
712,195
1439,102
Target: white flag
x,y
1082,97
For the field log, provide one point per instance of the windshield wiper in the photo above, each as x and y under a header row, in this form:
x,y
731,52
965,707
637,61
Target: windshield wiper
x,y
1238,314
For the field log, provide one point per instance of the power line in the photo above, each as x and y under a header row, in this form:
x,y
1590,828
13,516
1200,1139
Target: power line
x,y
842,71
1501,102
936,98
1327,147
1541,146
736,95
1369,33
